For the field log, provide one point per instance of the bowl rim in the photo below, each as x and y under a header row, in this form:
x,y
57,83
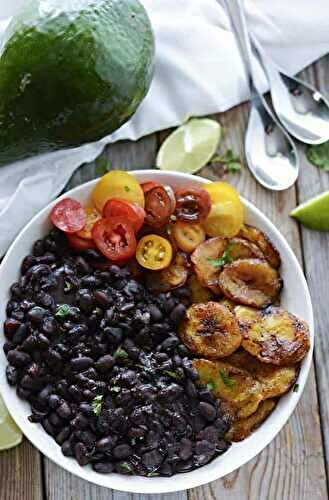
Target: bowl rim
x,y
182,481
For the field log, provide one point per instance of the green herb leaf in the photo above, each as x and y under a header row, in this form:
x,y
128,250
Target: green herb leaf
x,y
230,160
172,374
127,189
234,167
120,353
296,388
67,286
116,388
152,474
63,311
318,155
102,166
210,385
125,466
224,259
97,403
173,217
228,381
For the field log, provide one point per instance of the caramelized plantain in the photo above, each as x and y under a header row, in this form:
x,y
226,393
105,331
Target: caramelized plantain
x,y
206,272
275,380
260,239
241,429
273,335
238,248
211,330
199,292
252,282
237,387
228,303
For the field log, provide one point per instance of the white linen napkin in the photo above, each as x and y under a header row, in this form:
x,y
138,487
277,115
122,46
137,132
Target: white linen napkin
x,y
198,71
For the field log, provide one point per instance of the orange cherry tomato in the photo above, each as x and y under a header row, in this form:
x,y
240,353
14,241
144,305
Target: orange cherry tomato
x,y
193,204
188,235
115,238
80,243
154,252
132,212
92,216
68,216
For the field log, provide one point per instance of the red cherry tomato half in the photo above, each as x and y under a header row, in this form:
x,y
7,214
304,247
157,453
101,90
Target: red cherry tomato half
x,y
146,186
159,205
192,204
115,238
121,208
80,243
68,215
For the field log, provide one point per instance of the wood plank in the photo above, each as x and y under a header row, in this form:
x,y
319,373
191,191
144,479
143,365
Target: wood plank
x,y
21,473
316,256
61,485
292,466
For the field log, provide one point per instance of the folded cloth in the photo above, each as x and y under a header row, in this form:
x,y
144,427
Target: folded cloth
x,y
198,71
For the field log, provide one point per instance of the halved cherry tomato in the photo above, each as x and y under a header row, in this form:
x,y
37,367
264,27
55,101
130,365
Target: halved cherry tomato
x,y
80,243
132,212
92,216
227,213
117,184
154,252
188,235
146,186
192,204
68,215
115,238
159,205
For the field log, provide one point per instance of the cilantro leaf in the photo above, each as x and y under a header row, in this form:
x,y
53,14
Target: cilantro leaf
x,y
228,381
67,286
127,189
63,311
318,155
120,353
172,374
224,259
97,404
230,160
210,385
296,388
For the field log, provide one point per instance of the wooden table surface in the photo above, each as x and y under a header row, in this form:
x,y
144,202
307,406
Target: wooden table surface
x,y
295,465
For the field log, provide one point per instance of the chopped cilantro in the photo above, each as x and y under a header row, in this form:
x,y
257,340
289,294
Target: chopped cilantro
x,y
120,353
228,381
153,474
210,385
97,403
116,388
125,466
318,155
63,311
296,388
172,374
67,286
173,217
224,259
230,160
127,189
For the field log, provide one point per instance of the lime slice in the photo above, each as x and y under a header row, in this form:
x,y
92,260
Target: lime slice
x,y
314,213
190,147
10,435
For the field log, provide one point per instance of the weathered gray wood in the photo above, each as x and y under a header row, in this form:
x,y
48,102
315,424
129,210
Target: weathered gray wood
x,y
292,467
312,182
20,473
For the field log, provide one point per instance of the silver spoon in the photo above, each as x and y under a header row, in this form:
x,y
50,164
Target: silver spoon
x,y
271,154
301,108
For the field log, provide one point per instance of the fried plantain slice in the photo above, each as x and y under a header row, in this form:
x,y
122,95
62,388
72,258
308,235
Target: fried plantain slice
x,y
275,380
202,256
228,303
211,330
260,239
252,282
237,387
273,335
241,429
199,292
239,248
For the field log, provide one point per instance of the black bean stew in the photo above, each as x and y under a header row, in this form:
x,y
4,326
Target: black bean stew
x,y
98,358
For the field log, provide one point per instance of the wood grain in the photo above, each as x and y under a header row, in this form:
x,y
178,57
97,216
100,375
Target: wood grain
x,y
21,473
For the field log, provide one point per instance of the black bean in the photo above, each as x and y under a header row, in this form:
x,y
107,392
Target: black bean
x,y
64,411
104,444
178,314
48,427
67,449
87,409
8,346
81,364
63,435
10,327
36,314
103,467
191,390
54,401
204,447
185,449
55,420
49,325
207,411
166,470
82,265
81,454
12,375
105,363
18,358
155,312
86,437
28,262
80,422
152,459
38,248
86,303
168,304
114,335
122,451
101,298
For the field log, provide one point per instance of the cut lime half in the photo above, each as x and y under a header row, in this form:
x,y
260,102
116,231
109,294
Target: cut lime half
x,y
314,213
190,147
10,434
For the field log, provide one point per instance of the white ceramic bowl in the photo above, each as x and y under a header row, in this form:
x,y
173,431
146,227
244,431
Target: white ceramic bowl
x,y
295,298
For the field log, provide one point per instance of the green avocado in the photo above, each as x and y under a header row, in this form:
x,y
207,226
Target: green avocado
x,y
71,72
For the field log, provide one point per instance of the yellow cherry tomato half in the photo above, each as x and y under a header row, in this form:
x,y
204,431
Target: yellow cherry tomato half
x,y
120,185
154,252
188,235
92,216
227,213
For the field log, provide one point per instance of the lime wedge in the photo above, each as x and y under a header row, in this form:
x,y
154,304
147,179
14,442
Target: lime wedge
x,y
190,147
10,435
314,213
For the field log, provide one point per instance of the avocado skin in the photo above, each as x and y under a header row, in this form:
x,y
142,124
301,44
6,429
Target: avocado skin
x,y
71,72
